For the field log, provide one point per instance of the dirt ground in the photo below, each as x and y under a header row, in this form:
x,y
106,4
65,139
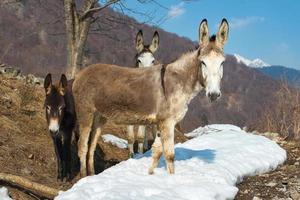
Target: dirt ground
x,y
26,148
280,184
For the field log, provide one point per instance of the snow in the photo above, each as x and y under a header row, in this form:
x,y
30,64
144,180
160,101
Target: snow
x,y
256,63
4,194
206,167
116,141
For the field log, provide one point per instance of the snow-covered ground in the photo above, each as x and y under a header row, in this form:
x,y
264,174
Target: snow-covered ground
x,y
119,142
206,167
4,194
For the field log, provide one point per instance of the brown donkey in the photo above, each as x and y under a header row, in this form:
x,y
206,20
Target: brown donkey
x,y
144,58
155,95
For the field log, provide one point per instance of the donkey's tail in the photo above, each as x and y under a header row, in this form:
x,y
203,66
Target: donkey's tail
x,y
36,188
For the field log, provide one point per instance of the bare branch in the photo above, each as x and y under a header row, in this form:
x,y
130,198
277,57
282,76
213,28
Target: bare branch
x,y
93,10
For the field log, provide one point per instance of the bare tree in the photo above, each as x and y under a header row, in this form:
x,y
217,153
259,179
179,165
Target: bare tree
x,y
77,27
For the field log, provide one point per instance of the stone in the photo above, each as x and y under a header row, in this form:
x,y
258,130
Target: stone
x,y
295,195
271,184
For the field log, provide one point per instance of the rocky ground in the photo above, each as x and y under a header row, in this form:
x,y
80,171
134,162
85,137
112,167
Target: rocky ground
x,y
280,184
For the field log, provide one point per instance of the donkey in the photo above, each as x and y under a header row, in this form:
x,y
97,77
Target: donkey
x,y
155,95
144,58
61,120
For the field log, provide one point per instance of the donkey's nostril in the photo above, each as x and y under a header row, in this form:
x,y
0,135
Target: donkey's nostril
x,y
213,96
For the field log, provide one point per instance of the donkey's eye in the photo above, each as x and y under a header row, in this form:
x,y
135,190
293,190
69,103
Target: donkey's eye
x,y
222,63
153,61
203,63
60,109
139,61
48,109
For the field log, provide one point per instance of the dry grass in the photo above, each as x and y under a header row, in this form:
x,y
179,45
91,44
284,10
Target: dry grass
x,y
284,117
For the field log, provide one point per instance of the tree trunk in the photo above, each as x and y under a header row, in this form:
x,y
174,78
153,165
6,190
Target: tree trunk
x,y
39,189
77,29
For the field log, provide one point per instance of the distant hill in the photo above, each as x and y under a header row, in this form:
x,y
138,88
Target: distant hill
x,y
32,38
292,76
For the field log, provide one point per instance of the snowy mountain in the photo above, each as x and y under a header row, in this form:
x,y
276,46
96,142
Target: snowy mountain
x,y
207,167
256,63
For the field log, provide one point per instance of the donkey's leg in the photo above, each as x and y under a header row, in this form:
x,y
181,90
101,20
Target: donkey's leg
x,y
156,153
85,123
153,134
68,156
167,138
58,151
96,132
141,138
130,136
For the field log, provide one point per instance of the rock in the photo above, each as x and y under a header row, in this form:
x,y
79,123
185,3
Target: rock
x,y
284,182
296,163
256,198
26,171
271,184
6,101
295,195
31,156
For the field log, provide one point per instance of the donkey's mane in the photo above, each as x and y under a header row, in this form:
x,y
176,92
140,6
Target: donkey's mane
x,y
212,38
186,59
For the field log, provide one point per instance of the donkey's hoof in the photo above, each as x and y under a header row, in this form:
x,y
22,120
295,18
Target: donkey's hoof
x,y
131,155
59,178
151,171
83,174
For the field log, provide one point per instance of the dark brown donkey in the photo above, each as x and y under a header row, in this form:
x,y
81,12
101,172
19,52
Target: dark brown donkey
x,y
154,95
61,119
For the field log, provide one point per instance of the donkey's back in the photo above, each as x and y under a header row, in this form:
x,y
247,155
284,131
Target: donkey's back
x,y
118,92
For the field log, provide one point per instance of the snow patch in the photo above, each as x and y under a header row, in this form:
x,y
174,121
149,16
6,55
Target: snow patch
x,y
211,128
116,141
4,194
256,63
206,167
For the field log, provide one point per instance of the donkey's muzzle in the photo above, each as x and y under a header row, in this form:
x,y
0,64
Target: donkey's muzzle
x,y
53,126
213,96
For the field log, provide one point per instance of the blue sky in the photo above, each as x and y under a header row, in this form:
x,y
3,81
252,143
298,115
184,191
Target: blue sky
x,y
266,29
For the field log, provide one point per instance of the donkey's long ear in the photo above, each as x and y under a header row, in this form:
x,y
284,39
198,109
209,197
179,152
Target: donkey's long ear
x,y
155,42
203,33
139,41
48,83
222,34
63,83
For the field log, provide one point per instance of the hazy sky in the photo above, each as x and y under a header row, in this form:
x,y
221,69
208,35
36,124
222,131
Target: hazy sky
x,y
266,29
